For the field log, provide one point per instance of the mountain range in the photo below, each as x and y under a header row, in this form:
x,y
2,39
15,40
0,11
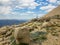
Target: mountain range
x,y
11,22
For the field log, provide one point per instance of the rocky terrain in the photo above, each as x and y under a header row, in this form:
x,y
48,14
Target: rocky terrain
x,y
42,31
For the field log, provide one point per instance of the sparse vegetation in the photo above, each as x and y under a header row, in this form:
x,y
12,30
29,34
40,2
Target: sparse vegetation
x,y
55,34
13,43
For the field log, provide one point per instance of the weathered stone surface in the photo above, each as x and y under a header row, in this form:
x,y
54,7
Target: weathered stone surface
x,y
22,35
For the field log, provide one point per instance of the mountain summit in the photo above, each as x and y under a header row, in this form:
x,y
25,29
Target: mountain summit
x,y
55,11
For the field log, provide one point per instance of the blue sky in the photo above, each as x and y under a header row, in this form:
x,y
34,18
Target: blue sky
x,y
26,9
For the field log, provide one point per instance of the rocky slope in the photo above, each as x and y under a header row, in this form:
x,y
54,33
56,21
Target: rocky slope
x,y
43,31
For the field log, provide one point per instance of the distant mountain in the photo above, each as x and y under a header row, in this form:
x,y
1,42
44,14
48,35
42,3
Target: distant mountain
x,y
10,22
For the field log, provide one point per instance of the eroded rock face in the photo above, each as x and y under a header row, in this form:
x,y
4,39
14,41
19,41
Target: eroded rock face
x,y
22,35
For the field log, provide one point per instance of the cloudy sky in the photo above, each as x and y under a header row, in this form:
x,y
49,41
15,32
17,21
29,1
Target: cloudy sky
x,y
26,9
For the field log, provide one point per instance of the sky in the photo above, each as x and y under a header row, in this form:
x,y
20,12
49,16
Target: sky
x,y
26,9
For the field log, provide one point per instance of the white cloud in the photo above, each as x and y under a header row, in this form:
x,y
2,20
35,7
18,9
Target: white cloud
x,y
52,1
40,15
27,1
27,4
58,2
4,0
25,15
29,12
48,7
5,9
17,15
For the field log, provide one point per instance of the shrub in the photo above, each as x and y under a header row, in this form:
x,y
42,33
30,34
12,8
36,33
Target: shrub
x,y
55,34
13,43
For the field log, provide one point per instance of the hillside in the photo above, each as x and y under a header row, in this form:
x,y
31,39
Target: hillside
x,y
55,11
42,31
